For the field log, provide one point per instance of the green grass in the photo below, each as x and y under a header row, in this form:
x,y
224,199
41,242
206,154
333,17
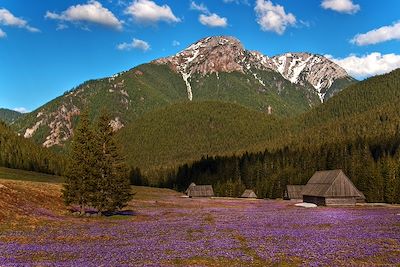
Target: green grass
x,y
20,175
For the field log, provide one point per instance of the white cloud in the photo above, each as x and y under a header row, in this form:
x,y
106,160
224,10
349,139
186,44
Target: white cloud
x,y
176,43
213,20
147,11
2,34
382,34
135,44
273,17
207,18
368,65
8,19
21,110
199,7
342,6
92,12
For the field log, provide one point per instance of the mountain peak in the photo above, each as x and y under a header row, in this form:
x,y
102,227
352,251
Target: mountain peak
x,y
226,54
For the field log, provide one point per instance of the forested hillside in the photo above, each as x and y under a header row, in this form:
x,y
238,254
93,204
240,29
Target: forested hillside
x,y
9,116
358,131
19,153
184,132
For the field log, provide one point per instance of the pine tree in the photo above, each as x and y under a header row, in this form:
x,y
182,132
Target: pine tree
x,y
113,185
81,172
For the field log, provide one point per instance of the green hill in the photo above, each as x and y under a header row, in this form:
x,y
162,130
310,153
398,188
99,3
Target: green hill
x,y
149,87
186,131
20,153
9,116
21,175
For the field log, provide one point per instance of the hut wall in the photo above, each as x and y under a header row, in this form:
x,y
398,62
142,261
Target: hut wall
x,y
320,201
340,201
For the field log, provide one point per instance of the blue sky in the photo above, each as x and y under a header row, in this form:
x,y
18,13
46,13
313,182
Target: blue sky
x,y
51,46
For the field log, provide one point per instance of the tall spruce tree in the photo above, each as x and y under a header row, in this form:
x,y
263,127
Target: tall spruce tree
x,y
81,172
112,185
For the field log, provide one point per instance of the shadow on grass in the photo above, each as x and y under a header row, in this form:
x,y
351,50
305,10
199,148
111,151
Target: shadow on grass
x,y
120,213
93,212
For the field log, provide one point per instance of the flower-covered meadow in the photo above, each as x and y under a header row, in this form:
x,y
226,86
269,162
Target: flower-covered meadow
x,y
163,229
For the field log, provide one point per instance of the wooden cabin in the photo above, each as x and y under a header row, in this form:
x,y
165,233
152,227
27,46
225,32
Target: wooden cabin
x,y
331,188
200,191
190,186
248,193
293,192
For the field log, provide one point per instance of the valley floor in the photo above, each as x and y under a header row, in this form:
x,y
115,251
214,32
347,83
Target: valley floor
x,y
165,229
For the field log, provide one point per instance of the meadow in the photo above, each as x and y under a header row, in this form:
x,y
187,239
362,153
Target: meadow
x,y
161,228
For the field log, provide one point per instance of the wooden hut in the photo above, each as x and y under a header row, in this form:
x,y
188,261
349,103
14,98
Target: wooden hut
x,y
200,191
190,186
330,188
293,192
248,193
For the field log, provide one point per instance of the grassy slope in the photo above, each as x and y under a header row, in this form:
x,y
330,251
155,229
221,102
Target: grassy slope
x,y
14,174
184,132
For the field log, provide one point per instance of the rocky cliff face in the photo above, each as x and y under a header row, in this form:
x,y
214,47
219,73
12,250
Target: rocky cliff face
x,y
227,54
302,68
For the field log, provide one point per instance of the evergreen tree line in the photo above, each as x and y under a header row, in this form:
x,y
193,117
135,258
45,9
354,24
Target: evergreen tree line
x,y
96,175
268,173
19,153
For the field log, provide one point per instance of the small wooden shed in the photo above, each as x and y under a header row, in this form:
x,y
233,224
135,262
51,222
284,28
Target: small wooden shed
x,y
200,191
293,192
248,193
331,188
190,186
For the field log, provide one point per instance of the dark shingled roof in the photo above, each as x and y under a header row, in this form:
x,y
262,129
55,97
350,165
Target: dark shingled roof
x,y
200,191
248,193
330,184
294,191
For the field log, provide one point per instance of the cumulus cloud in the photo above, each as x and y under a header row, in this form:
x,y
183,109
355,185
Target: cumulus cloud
x,y
8,19
365,66
146,11
135,44
213,20
2,34
382,34
21,110
342,6
92,12
273,17
207,18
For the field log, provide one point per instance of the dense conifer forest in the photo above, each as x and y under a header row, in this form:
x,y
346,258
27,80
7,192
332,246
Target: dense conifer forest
x,y
19,153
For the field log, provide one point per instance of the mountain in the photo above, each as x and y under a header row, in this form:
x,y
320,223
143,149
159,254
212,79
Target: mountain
x,y
212,69
226,54
9,116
